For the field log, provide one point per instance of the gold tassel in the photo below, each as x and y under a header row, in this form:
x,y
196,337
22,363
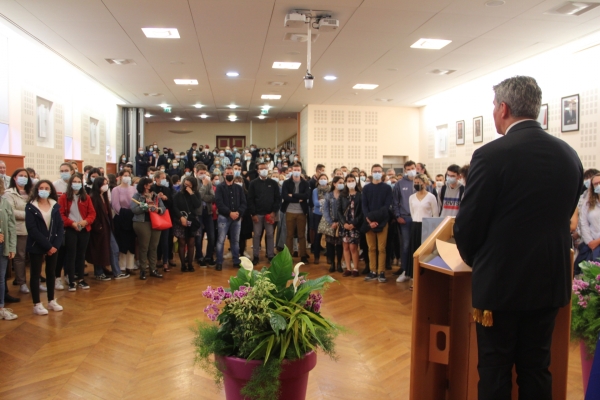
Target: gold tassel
x,y
484,317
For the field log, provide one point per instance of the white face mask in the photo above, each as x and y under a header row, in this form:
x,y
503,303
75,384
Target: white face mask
x,y
104,188
351,185
439,184
126,180
411,173
461,181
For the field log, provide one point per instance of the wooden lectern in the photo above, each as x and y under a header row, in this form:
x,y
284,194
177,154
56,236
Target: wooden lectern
x,y
444,340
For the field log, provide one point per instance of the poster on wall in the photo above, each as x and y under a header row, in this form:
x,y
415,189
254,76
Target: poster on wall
x,y
543,116
570,113
460,132
477,129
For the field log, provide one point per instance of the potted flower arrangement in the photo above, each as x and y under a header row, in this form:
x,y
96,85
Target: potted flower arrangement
x,y
585,314
268,329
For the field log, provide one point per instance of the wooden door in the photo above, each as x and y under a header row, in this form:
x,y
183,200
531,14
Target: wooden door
x,y
231,141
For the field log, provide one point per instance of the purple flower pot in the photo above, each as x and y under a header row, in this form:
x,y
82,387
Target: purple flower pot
x,y
293,378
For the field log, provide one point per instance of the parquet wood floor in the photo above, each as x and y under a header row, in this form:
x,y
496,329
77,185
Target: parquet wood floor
x,y
131,339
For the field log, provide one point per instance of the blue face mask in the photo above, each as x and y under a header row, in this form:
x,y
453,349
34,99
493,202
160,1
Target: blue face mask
x,y
22,180
237,173
44,194
164,182
296,174
92,179
377,175
586,183
597,190
176,187
76,186
450,180
65,176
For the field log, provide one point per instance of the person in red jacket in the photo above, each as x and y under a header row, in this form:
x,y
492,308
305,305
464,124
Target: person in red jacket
x,y
78,214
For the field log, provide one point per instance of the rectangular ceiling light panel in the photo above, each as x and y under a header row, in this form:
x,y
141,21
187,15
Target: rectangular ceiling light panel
x,y
161,33
431,44
270,96
364,86
186,81
286,65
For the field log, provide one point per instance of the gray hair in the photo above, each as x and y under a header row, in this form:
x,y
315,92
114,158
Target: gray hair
x,y
521,94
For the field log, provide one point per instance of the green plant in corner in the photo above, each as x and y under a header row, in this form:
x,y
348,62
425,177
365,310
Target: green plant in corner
x,y
585,305
271,315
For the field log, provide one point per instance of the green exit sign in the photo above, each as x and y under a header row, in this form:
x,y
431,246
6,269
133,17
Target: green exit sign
x,y
167,109
264,111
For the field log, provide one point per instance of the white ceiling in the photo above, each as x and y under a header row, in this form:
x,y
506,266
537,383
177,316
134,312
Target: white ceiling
x,y
372,45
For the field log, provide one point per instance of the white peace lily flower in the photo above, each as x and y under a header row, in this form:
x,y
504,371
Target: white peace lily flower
x,y
246,264
296,281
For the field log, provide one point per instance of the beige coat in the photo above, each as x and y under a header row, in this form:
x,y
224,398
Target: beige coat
x,y
18,203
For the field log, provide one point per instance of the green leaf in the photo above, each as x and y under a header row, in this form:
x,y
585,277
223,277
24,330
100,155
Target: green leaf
x,y
269,347
235,283
257,350
277,322
243,275
281,269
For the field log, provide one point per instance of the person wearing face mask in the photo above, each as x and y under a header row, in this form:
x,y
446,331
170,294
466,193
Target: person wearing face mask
x,y
589,222
451,193
103,249
5,179
295,194
403,189
122,162
249,167
247,226
78,214
18,197
439,182
45,235
207,196
227,153
349,215
224,158
175,167
231,205
186,226
463,174
164,159
66,170
335,249
264,202
376,200
123,221
141,163
216,166
163,190
8,248
318,200
422,170
92,175
206,157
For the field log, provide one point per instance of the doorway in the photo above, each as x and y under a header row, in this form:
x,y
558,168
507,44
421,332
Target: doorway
x,y
231,141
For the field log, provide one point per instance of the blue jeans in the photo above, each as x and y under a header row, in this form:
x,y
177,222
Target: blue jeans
x,y
228,226
405,230
207,227
114,259
3,266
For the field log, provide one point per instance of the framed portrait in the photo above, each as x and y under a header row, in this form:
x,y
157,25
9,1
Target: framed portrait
x,y
570,113
477,129
543,117
460,132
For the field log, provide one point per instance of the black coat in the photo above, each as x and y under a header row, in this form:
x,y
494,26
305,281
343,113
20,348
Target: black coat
x,y
40,239
249,170
513,222
343,204
263,197
226,205
141,165
303,194
163,160
206,158
183,201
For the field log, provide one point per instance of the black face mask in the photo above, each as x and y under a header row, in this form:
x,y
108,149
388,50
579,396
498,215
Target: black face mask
x,y
166,152
418,187
229,178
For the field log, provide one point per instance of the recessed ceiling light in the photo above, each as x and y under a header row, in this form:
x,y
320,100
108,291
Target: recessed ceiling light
x,y
364,86
232,106
270,96
203,116
442,71
232,118
261,117
384,100
153,94
495,3
430,44
161,33
198,105
177,119
393,69
186,81
277,83
330,77
232,74
147,115
120,61
266,107
163,105
286,65
300,38
573,8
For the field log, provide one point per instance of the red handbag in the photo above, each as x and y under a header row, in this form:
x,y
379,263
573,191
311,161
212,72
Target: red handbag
x,y
160,222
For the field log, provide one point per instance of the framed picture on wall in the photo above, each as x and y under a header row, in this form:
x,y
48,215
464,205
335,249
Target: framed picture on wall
x,y
477,129
460,132
543,117
570,113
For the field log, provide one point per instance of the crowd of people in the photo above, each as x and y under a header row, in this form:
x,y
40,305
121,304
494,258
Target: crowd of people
x,y
220,198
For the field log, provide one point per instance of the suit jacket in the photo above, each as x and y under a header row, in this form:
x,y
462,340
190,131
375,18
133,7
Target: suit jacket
x,y
249,169
141,165
163,160
513,222
570,117
206,158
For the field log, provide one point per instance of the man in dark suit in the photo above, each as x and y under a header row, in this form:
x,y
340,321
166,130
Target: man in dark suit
x,y
164,159
249,167
570,116
513,229
141,163
206,157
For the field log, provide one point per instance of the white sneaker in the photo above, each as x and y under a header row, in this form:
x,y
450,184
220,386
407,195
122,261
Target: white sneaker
x,y
402,277
59,285
54,306
7,314
227,256
24,288
43,288
39,309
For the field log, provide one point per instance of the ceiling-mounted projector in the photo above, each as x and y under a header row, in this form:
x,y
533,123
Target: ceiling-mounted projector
x,y
328,24
294,20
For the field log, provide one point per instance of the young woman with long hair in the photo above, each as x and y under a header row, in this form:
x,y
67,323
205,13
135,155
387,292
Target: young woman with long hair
x,y
334,241
123,221
350,215
77,214
8,248
45,236
186,222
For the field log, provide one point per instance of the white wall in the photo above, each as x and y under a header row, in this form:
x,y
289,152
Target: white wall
x,y
569,70
264,134
357,136
31,71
